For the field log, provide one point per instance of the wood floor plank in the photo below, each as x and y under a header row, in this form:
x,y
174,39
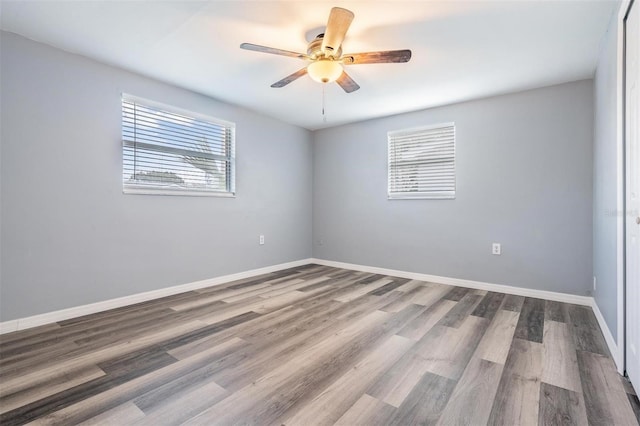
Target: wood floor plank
x,y
158,397
417,328
40,375
531,323
35,332
525,359
425,295
341,288
317,283
410,285
459,313
496,342
281,391
425,403
367,411
80,392
270,290
456,293
117,395
104,336
131,323
208,298
215,336
26,394
560,406
127,311
448,350
183,406
560,366
256,361
587,335
364,289
556,311
402,300
604,395
398,381
481,377
230,311
125,414
489,305
334,401
22,361
430,294
243,401
287,341
370,278
517,399
397,282
513,303
318,345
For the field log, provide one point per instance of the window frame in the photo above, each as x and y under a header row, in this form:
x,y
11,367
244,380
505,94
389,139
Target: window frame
x,y
138,189
424,195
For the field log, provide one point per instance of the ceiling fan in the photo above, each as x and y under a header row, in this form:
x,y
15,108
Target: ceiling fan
x,y
325,54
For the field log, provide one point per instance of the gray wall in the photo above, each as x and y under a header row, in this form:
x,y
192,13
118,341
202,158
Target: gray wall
x,y
69,235
605,216
524,179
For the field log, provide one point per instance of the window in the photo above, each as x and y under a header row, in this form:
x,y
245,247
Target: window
x,y
175,153
422,162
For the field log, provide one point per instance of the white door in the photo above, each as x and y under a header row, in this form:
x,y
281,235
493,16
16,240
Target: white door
x,y
632,222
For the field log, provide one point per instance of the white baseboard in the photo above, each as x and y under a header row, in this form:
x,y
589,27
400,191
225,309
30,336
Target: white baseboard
x,y
616,353
8,326
92,308
500,288
64,314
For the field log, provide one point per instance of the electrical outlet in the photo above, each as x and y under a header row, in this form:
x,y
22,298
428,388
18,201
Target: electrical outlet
x,y
261,239
496,248
594,283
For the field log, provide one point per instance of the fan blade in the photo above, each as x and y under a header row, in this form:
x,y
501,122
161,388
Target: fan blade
x,y
337,26
272,50
288,79
347,83
382,57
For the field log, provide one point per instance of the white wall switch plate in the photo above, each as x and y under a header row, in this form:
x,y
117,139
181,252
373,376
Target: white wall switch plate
x,y
261,239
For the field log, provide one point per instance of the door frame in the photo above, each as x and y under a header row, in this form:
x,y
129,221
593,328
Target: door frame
x,y
625,9
620,350
620,356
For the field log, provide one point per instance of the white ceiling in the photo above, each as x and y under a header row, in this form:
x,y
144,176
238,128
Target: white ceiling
x,y
461,50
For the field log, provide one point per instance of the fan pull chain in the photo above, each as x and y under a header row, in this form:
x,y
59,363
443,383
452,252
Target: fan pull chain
x,y
324,115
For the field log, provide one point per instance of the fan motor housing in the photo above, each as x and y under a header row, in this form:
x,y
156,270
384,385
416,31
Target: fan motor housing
x,y
314,49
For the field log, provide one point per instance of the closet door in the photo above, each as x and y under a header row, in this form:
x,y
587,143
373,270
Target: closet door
x,y
632,218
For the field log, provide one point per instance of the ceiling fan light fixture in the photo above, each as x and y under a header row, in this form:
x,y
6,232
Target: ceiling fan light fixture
x,y
325,54
325,70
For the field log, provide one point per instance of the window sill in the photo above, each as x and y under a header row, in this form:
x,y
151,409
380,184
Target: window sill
x,y
422,197
178,192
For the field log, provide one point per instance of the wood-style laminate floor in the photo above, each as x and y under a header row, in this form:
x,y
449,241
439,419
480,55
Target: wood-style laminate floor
x,y
317,346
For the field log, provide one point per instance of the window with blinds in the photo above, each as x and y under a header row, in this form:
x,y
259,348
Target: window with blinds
x,y
422,162
175,153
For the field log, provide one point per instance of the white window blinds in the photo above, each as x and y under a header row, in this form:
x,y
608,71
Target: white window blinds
x,y
422,162
174,153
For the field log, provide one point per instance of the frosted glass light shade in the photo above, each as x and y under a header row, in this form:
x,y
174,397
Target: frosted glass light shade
x,y
324,70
